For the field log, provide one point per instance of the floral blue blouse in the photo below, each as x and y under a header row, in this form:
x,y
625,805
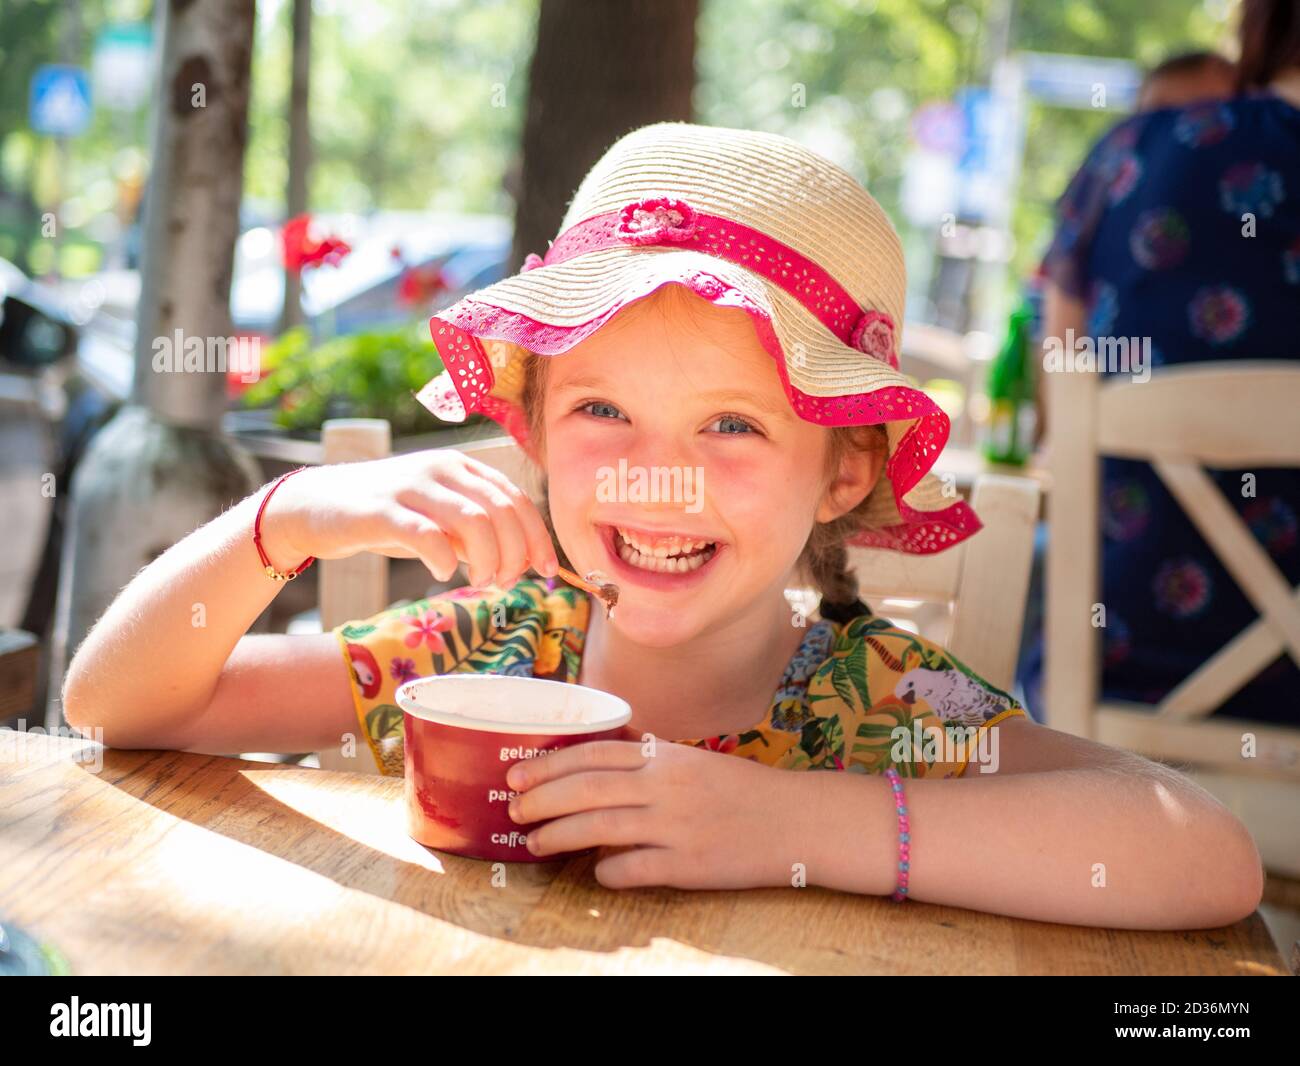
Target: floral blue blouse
x,y
1183,226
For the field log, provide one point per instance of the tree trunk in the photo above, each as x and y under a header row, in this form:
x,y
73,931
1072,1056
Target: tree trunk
x,y
192,213
299,149
599,70
161,467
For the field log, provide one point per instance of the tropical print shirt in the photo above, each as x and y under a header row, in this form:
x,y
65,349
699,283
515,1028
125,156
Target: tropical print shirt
x,y
858,697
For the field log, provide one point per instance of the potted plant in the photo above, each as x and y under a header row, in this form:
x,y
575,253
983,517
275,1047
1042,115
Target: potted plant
x,y
373,374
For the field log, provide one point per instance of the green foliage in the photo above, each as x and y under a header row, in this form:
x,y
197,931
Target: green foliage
x,y
865,65
365,375
418,103
415,104
32,33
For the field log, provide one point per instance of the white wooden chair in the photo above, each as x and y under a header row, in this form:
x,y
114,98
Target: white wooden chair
x,y
1219,415
976,590
931,352
973,595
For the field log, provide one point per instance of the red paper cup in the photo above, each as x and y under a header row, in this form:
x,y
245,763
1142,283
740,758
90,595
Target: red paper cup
x,y
464,731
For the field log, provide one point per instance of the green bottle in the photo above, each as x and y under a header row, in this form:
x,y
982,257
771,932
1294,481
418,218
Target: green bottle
x,y
1010,389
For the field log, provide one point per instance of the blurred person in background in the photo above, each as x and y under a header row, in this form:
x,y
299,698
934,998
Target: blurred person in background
x,y
1183,226
1185,79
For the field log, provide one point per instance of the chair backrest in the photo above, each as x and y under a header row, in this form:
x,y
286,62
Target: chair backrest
x,y
979,585
356,587
931,352
1224,415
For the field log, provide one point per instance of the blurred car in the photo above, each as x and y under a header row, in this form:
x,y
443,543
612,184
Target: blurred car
x,y
364,291
35,329
51,412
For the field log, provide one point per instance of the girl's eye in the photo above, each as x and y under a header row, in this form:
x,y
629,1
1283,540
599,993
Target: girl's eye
x,y
732,425
601,409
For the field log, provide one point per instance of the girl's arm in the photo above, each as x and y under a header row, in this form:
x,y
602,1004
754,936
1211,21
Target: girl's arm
x,y
175,638
1066,831
170,664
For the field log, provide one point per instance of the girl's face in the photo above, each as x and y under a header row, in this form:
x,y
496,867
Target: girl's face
x,y
677,467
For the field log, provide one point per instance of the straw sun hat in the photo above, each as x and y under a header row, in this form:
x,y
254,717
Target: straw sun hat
x,y
743,219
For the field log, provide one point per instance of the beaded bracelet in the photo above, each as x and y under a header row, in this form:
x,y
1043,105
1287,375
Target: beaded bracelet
x,y
271,571
904,836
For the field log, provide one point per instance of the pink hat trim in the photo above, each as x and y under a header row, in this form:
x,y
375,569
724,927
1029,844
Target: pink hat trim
x,y
668,221
468,368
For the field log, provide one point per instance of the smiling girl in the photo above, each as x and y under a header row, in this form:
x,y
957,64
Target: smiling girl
x,y
722,304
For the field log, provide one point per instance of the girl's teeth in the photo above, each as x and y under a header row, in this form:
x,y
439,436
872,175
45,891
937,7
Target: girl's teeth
x,y
646,560
673,546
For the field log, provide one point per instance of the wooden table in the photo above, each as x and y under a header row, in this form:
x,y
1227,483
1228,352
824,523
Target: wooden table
x,y
166,862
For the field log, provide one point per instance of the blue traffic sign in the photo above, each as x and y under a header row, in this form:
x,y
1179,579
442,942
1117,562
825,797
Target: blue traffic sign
x,y
59,100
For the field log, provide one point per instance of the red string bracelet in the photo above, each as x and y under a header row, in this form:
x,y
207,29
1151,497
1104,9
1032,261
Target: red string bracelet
x,y
271,571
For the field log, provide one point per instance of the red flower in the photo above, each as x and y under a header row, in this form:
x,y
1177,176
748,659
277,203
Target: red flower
x,y
723,744
428,630
420,284
874,335
299,250
655,219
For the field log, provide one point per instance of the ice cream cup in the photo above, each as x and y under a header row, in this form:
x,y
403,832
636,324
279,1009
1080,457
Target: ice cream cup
x,y
462,732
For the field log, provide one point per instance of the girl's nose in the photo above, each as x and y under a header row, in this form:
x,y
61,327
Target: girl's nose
x,y
651,447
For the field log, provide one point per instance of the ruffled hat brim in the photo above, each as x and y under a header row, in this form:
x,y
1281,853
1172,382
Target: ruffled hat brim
x,y
484,339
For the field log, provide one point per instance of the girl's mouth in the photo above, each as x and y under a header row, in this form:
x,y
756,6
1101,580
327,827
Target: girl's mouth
x,y
659,559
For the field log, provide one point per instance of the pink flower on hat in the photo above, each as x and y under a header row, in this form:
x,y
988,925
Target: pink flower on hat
x,y
707,285
874,335
656,218
531,262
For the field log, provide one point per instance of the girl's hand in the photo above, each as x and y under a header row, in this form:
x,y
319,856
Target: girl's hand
x,y
438,505
685,817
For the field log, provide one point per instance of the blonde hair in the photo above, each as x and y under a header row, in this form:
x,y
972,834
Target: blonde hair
x,y
824,559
